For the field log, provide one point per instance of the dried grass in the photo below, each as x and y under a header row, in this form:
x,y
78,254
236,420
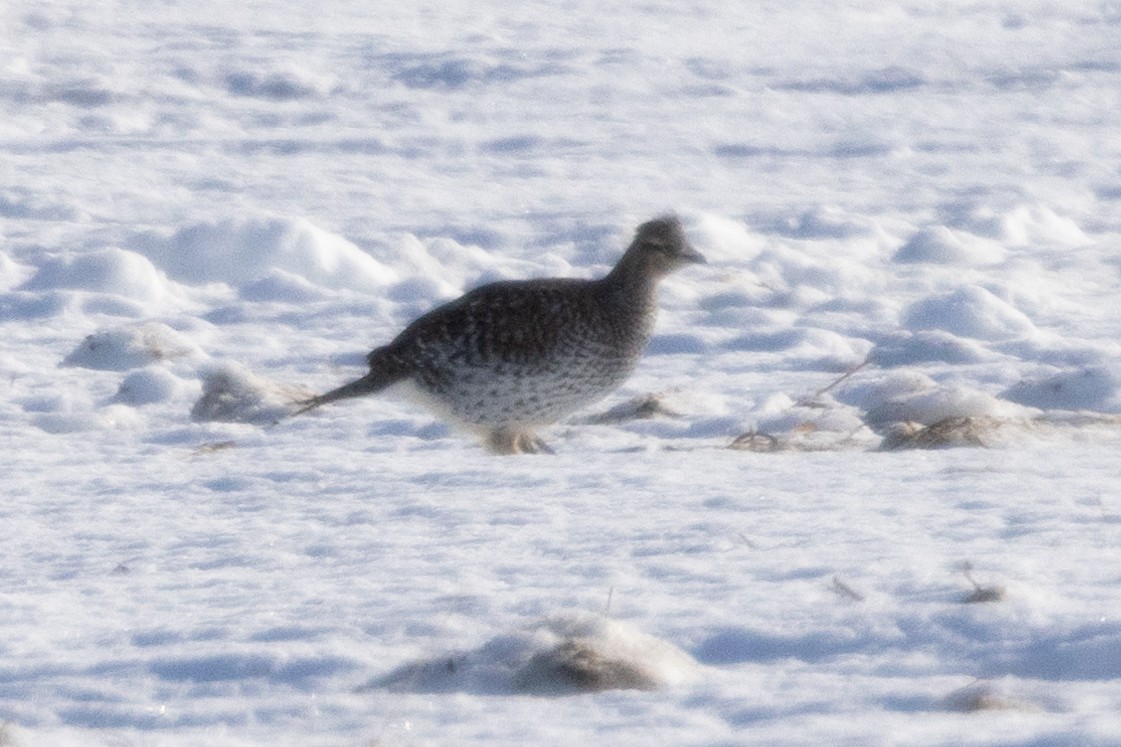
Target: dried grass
x,y
643,407
580,666
947,433
980,697
981,594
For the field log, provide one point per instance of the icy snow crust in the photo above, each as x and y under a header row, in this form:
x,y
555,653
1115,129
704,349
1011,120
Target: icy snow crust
x,y
861,490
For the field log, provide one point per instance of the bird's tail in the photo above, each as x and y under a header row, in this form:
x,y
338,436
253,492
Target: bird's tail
x,y
368,384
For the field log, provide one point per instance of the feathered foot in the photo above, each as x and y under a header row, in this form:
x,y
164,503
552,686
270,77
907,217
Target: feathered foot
x,y
503,441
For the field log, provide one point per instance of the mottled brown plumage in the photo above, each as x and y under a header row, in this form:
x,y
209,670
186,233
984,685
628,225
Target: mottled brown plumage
x,y
511,356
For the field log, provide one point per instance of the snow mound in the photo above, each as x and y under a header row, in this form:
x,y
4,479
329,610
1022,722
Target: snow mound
x,y
147,386
244,252
60,423
1029,225
111,271
722,239
441,268
804,348
233,394
943,246
1096,388
926,346
782,423
562,655
917,399
73,412
972,312
286,287
130,347
817,277
825,222
28,204
11,273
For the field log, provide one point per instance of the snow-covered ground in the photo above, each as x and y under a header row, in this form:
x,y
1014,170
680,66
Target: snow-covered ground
x,y
862,489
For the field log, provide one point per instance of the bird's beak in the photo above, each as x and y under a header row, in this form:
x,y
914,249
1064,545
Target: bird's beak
x,y
692,256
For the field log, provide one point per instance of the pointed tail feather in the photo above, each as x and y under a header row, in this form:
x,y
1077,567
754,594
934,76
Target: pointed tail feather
x,y
368,384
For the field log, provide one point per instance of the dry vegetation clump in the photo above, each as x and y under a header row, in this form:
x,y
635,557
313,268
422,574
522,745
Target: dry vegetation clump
x,y
213,447
643,407
232,394
981,696
981,593
806,437
576,665
560,656
946,433
756,441
846,591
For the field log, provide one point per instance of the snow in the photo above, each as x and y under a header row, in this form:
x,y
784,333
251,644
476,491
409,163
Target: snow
x,y
239,252
970,312
130,346
860,490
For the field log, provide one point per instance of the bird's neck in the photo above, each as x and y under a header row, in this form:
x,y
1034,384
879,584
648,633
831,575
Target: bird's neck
x,y
629,280
632,293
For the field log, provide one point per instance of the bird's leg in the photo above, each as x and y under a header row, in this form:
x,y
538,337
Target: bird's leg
x,y
531,444
500,441
506,441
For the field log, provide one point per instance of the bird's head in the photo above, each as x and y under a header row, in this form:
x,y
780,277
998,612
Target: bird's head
x,y
660,247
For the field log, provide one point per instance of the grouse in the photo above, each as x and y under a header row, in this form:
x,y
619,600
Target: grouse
x,y
510,356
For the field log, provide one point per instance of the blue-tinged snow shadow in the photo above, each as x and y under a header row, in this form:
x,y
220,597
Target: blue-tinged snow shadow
x,y
740,645
217,668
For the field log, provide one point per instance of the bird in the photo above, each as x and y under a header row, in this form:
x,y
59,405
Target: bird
x,y
513,356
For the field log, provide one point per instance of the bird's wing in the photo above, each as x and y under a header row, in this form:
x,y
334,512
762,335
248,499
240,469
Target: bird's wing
x,y
508,321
